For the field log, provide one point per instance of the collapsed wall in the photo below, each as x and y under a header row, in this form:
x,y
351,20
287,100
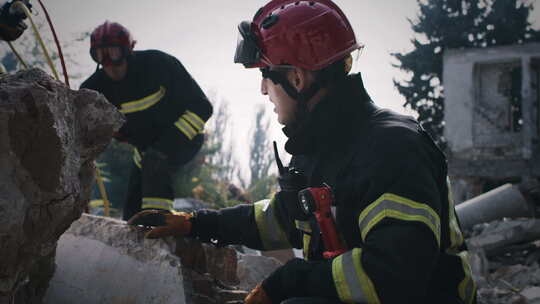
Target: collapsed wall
x,y
49,138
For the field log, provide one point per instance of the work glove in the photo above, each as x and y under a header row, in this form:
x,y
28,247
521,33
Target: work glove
x,y
257,296
10,33
164,223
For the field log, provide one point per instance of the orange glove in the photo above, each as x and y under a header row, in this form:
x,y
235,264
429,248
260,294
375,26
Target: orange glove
x,y
257,296
164,222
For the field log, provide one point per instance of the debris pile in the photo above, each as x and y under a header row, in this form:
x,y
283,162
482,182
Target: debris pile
x,y
505,256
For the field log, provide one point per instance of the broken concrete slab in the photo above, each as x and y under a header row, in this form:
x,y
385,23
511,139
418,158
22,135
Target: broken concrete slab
x,y
102,260
505,233
49,138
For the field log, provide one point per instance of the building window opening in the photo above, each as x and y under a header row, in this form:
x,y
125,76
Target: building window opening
x,y
510,87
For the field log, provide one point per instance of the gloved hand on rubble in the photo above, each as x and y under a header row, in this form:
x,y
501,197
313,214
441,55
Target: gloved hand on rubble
x,y
164,223
257,296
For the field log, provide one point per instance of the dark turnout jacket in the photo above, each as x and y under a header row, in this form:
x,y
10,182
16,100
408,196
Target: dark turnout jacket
x,y
393,209
157,94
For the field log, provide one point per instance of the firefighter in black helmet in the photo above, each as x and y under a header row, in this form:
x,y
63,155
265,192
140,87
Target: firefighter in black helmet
x,y
393,208
165,112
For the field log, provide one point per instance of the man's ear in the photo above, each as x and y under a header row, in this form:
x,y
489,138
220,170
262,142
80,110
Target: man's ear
x,y
300,78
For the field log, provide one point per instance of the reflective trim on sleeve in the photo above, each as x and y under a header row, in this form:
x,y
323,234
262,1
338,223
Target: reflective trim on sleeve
x,y
143,103
156,203
351,281
456,237
306,238
194,120
467,287
397,207
137,158
302,225
271,233
185,128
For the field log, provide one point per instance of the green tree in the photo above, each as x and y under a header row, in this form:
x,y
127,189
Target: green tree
x,y
261,183
444,24
207,176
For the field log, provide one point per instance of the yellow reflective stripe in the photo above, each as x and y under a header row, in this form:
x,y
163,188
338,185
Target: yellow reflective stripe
x,y
467,287
395,206
157,203
271,233
305,245
185,128
456,237
194,120
137,158
352,283
143,103
302,225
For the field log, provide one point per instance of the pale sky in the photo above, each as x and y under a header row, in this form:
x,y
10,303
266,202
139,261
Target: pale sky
x,y
202,34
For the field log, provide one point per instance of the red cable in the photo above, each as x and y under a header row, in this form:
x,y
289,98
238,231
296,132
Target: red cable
x,y
57,43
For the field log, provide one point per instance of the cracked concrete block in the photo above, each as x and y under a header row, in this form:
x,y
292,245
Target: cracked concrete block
x,y
102,260
49,138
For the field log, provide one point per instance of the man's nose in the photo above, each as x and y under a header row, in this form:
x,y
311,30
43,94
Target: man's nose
x,y
264,90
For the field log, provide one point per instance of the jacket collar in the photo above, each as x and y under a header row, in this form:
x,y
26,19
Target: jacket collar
x,y
333,120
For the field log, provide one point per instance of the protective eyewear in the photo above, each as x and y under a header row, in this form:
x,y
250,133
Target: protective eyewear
x,y
110,55
247,51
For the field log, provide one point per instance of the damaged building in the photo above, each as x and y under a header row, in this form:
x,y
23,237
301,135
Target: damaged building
x,y
492,115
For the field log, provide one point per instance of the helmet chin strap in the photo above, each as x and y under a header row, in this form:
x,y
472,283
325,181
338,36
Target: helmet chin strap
x,y
302,97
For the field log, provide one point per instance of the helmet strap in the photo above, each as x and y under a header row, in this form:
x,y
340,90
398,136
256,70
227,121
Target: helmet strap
x,y
302,97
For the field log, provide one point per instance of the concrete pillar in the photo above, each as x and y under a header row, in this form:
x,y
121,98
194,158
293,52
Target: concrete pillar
x,y
526,107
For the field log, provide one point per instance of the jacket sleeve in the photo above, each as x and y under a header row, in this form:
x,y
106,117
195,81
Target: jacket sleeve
x,y
399,225
258,226
187,96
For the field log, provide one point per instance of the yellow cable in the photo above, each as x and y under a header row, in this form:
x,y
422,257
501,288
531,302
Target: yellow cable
x,y
103,192
17,54
38,36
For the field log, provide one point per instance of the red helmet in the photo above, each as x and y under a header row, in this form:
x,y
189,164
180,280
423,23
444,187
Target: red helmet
x,y
307,34
111,34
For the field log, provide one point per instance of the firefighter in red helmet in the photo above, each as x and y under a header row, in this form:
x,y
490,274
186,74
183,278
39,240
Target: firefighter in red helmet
x,y
391,203
165,112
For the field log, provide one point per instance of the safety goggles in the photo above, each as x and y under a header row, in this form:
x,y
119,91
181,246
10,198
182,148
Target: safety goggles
x,y
247,51
108,55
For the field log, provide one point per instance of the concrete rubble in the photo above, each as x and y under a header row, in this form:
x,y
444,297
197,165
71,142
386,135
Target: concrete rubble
x,y
102,260
49,138
505,257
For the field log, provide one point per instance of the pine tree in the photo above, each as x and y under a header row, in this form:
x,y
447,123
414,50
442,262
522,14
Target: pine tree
x,y
450,24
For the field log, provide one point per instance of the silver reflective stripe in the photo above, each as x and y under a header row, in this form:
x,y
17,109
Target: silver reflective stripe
x,y
394,206
156,203
137,158
143,103
467,287
194,120
302,225
352,283
185,128
271,233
